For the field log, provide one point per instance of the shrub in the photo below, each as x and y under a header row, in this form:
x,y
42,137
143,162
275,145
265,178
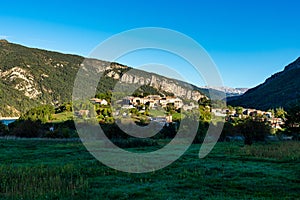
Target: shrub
x,y
253,130
26,128
3,129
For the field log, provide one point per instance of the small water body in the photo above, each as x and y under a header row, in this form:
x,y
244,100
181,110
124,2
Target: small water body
x,y
7,121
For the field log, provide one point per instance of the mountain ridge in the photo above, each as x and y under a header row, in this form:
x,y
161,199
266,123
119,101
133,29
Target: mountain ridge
x,y
279,90
32,76
228,90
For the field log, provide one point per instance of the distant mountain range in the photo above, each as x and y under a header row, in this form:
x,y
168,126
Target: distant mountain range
x,y
30,77
228,90
280,90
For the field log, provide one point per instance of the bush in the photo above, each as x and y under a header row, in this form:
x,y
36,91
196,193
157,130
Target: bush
x,y
293,120
3,129
26,128
228,130
201,133
41,113
253,130
61,132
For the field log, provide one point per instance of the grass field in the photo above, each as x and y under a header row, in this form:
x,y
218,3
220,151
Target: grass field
x,y
65,170
61,117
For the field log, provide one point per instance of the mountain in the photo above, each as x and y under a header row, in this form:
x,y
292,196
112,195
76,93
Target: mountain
x,y
280,90
228,90
30,77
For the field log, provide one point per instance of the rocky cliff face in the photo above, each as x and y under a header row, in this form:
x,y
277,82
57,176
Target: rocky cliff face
x,y
163,84
22,81
128,75
30,77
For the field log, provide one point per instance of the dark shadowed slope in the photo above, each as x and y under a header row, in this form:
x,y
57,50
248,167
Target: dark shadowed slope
x,y
280,90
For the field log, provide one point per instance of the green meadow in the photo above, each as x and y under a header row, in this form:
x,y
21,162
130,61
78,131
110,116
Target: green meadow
x,y
35,169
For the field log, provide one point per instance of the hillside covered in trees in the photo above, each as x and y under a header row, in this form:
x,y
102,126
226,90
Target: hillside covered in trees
x,y
31,77
280,90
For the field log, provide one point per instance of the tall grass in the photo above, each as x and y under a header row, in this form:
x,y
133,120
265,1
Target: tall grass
x,y
42,182
31,169
289,150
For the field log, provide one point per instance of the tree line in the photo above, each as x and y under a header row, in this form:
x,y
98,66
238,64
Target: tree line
x,y
37,123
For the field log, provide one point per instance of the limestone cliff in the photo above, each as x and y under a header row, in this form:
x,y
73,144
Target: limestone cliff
x,y
30,77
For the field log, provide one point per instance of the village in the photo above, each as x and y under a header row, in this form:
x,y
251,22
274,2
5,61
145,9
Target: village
x,y
267,116
154,102
150,102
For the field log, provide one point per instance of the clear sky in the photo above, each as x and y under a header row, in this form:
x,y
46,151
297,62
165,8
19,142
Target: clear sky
x,y
248,40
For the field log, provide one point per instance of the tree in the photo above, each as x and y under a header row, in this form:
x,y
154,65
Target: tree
x,y
230,109
253,130
205,114
107,96
134,111
272,112
105,112
66,107
170,108
42,113
26,128
204,102
239,110
228,130
280,113
201,132
3,129
293,120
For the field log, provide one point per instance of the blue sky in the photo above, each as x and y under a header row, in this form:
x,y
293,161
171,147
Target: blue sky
x,y
248,40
